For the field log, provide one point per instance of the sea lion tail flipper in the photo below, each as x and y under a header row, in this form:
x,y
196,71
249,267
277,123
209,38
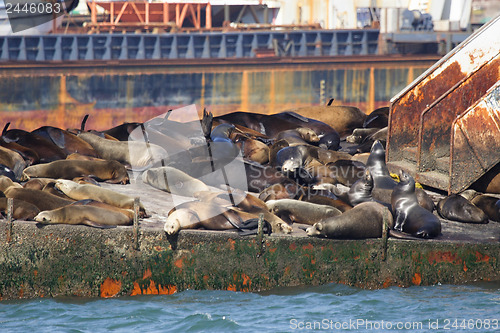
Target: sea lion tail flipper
x,y
330,102
5,128
206,123
401,235
84,121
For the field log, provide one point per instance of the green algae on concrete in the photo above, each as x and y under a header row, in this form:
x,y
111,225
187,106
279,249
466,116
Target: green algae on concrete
x,y
63,260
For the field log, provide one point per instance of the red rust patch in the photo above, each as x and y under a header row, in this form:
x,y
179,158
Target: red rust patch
x,y
438,257
167,290
110,288
387,283
272,250
308,247
137,290
152,290
35,272
292,247
178,263
231,244
465,268
147,274
416,279
231,287
482,257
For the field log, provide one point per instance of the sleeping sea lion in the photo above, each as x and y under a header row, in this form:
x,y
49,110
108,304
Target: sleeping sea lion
x,y
489,205
88,215
22,210
174,181
42,200
363,221
301,211
456,208
108,171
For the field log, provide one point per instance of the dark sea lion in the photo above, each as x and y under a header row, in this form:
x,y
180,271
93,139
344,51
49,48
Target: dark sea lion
x,y
87,215
133,153
42,200
410,217
360,134
252,149
319,127
363,221
46,150
378,118
289,159
361,190
108,171
7,172
330,141
65,140
22,210
301,211
456,208
489,205
378,168
380,135
347,172
122,132
12,160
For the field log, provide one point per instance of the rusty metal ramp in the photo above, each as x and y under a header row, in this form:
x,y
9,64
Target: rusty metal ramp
x,y
428,119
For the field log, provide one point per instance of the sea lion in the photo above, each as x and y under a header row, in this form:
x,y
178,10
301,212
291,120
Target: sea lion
x,y
347,172
456,208
65,140
343,119
108,171
136,154
252,149
361,190
42,200
122,132
174,181
298,136
363,221
7,172
301,211
38,183
489,205
12,160
330,141
29,155
489,182
6,182
86,191
410,217
360,134
22,210
46,150
88,215
378,118
378,168
290,159
195,214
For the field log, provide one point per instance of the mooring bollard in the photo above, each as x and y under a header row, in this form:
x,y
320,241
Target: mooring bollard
x,y
136,223
10,210
260,235
385,232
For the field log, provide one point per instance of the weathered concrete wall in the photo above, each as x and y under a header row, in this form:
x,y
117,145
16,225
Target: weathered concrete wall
x,y
81,261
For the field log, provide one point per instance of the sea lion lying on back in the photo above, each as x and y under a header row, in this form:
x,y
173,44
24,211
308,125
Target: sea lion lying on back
x,y
108,171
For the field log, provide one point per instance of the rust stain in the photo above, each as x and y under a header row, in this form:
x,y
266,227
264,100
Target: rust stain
x,y
231,287
110,288
137,290
287,271
439,257
387,283
167,290
309,246
465,268
21,292
35,272
417,279
356,257
482,257
273,250
313,261
292,247
152,290
231,243
147,274
178,263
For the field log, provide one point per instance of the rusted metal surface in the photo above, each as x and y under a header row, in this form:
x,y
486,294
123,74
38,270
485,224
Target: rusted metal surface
x,y
476,140
436,120
408,105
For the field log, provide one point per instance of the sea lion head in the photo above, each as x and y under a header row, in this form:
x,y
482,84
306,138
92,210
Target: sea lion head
x,y
330,141
406,182
307,134
176,219
43,217
315,230
65,185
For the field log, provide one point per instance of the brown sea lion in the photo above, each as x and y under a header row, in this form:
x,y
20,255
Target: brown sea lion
x,y
46,150
29,155
22,210
489,205
38,183
298,136
251,149
6,182
456,208
173,181
489,182
65,140
108,171
301,211
43,200
378,118
88,215
135,154
363,221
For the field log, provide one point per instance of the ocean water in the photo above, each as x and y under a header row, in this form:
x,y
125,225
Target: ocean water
x,y
332,307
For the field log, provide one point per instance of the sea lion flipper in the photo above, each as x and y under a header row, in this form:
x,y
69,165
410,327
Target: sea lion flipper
x,y
98,225
400,220
296,115
57,137
401,235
